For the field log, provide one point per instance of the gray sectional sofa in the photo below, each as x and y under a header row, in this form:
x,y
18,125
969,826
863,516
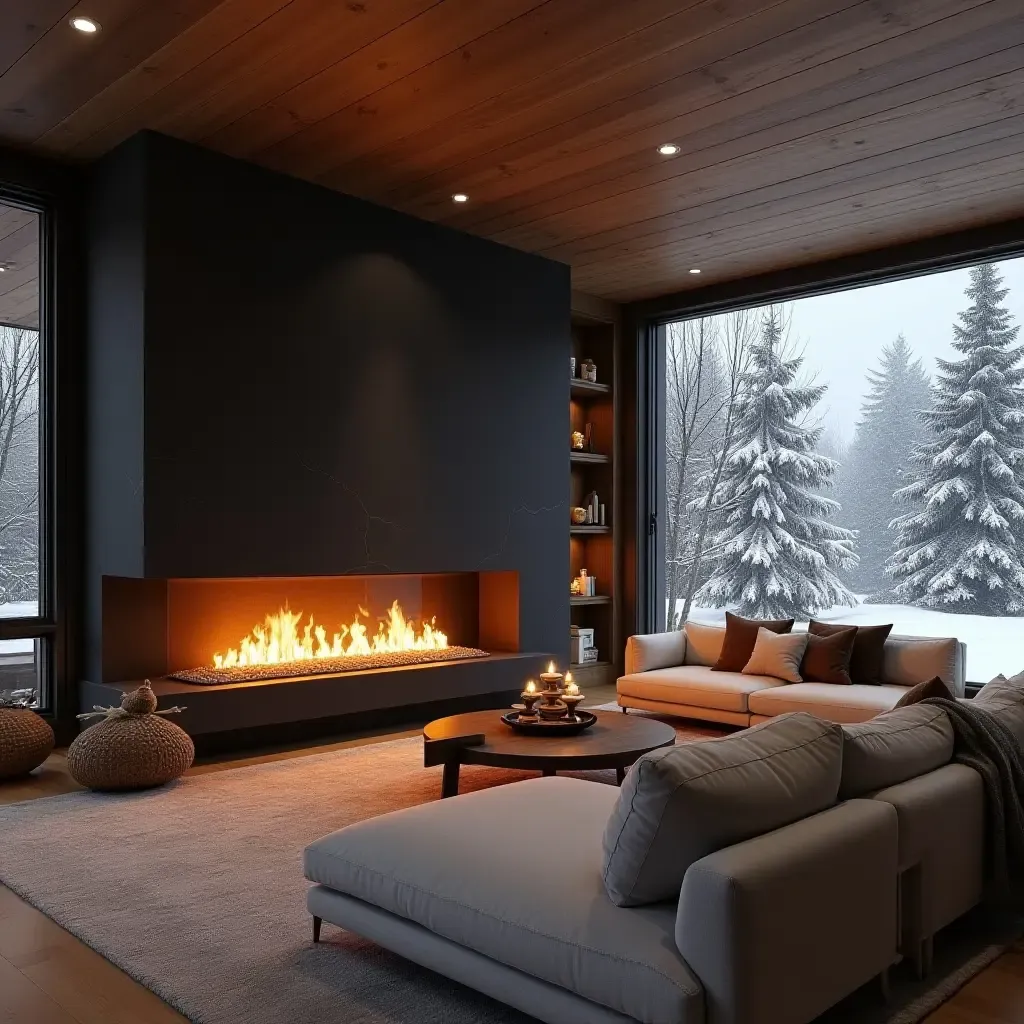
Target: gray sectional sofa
x,y
671,673
753,879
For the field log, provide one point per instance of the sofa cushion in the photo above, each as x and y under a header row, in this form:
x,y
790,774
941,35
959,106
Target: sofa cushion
x,y
703,643
695,685
740,637
684,802
827,658
1005,698
933,687
855,703
867,657
655,650
909,660
514,872
895,746
777,655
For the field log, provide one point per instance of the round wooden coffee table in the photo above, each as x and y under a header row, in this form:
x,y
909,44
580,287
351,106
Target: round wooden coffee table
x,y
614,741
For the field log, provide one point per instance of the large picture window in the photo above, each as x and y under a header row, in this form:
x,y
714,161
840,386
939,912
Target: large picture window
x,y
854,457
25,615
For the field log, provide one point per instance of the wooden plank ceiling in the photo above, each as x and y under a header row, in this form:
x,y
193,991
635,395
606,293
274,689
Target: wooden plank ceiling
x,y
807,129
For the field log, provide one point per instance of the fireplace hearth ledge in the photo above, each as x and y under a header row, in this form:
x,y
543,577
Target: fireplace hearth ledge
x,y
258,704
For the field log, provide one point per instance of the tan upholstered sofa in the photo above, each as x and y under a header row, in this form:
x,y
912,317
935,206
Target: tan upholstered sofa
x,y
671,673
508,890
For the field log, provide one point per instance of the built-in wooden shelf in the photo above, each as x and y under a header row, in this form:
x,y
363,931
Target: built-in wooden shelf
x,y
596,326
588,389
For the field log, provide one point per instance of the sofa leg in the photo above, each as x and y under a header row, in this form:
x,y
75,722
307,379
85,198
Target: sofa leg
x,y
625,711
316,928
883,979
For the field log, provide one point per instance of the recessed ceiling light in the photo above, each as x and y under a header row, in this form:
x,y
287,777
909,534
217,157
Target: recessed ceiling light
x,y
3,270
668,149
695,270
86,25
460,197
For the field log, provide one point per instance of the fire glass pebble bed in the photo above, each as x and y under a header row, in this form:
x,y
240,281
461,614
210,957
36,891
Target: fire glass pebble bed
x,y
209,676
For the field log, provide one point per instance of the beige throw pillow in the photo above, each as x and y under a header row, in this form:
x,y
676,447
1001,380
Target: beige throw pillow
x,y
778,655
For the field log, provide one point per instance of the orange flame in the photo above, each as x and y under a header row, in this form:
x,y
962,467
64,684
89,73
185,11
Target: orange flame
x,y
281,638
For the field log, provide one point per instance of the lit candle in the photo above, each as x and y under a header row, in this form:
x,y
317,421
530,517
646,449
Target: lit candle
x,y
531,687
552,679
571,688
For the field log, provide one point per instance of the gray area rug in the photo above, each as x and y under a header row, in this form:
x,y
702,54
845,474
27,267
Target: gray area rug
x,y
196,891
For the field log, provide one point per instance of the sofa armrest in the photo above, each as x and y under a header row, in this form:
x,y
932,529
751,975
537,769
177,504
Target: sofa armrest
x,y
781,927
655,650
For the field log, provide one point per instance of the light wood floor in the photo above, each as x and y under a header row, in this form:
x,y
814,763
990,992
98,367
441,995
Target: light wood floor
x,y
48,977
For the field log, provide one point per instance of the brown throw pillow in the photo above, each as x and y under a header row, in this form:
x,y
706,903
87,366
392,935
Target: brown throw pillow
x,y
930,688
740,637
827,658
777,655
868,645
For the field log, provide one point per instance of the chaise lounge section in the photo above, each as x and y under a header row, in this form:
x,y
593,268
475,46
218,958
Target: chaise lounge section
x,y
671,673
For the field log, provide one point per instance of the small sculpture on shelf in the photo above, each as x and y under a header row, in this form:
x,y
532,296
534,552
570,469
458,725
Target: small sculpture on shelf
x,y
579,516
588,371
577,440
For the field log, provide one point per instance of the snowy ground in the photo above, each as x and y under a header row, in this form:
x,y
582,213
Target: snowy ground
x,y
17,610
994,645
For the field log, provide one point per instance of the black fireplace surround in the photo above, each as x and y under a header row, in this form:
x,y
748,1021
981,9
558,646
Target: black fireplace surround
x,y
291,385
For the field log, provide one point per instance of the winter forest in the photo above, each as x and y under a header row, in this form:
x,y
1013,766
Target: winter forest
x,y
896,496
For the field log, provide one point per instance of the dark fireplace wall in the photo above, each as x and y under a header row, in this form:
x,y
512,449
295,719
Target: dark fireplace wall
x,y
287,381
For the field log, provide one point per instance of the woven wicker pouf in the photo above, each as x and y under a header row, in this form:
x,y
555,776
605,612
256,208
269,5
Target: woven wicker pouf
x,y
25,741
131,747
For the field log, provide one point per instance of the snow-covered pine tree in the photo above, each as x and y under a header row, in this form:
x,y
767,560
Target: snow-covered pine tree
x,y
962,550
775,552
878,460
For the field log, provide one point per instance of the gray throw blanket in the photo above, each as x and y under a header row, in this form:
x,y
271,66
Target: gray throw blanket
x,y
985,744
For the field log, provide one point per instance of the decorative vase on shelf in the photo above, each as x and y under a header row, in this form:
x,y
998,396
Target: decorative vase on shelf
x,y
26,740
588,371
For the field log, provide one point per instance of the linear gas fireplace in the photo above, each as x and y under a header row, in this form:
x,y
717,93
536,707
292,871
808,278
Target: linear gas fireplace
x,y
242,653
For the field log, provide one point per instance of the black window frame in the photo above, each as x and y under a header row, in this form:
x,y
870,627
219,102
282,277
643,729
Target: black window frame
x,y
55,191
917,259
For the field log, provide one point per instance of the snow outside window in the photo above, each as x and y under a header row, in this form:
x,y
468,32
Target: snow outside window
x,y
855,457
21,658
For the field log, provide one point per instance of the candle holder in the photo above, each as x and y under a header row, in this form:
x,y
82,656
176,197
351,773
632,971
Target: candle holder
x,y
572,700
527,713
552,680
553,708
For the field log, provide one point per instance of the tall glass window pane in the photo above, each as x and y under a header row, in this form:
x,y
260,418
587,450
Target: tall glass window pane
x,y
20,432
855,457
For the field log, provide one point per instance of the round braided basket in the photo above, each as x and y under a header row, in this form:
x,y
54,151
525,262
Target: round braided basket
x,y
132,748
25,741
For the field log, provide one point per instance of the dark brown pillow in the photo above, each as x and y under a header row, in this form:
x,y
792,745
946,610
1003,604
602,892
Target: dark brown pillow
x,y
827,658
931,688
740,637
866,659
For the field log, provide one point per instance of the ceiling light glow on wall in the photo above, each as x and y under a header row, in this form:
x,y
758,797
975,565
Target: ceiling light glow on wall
x,y
668,149
460,197
86,25
695,270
